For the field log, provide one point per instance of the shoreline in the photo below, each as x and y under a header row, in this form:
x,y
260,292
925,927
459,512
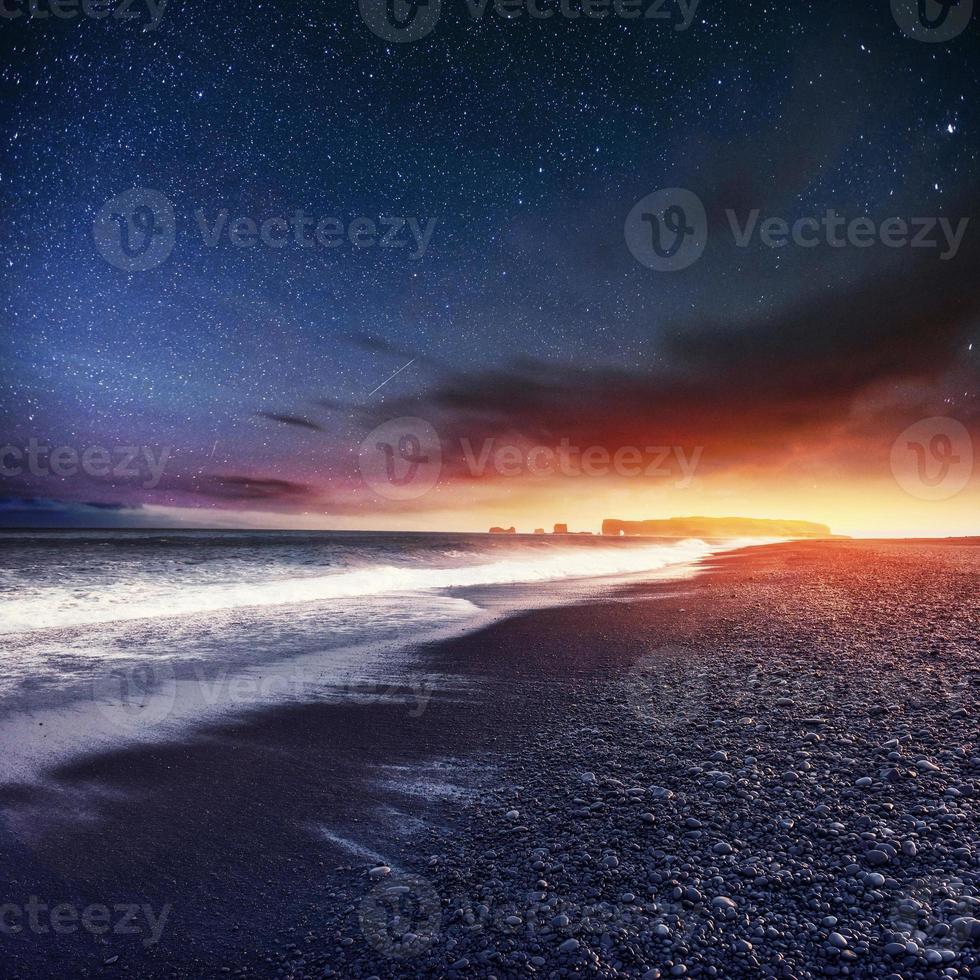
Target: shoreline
x,y
241,828
94,702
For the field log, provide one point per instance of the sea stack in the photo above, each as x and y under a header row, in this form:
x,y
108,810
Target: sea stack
x,y
718,527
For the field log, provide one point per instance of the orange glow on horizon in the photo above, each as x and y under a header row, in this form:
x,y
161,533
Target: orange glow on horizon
x,y
855,508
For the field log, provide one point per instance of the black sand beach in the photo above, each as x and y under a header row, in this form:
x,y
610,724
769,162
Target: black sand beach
x,y
769,770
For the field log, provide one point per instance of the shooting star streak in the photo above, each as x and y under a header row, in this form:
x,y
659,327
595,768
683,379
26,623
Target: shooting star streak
x,y
386,380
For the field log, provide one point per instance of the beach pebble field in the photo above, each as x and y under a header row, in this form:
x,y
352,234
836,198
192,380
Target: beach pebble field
x,y
785,785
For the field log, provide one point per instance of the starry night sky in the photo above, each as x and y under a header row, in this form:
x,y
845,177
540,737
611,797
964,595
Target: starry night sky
x,y
529,142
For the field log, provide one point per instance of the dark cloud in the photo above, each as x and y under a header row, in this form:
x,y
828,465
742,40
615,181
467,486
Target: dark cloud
x,y
373,344
43,512
810,378
233,487
382,345
902,324
295,420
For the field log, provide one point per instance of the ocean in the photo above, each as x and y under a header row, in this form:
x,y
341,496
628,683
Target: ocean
x,y
109,637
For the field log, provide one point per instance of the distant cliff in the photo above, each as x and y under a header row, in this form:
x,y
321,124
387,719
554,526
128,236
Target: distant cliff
x,y
503,530
717,527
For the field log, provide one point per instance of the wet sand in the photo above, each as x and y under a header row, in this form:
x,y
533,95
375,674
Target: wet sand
x,y
669,780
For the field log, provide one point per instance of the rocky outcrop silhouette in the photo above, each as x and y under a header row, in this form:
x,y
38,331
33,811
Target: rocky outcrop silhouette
x,y
717,527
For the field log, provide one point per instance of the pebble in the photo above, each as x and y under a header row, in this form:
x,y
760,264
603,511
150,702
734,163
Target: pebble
x,y
834,816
